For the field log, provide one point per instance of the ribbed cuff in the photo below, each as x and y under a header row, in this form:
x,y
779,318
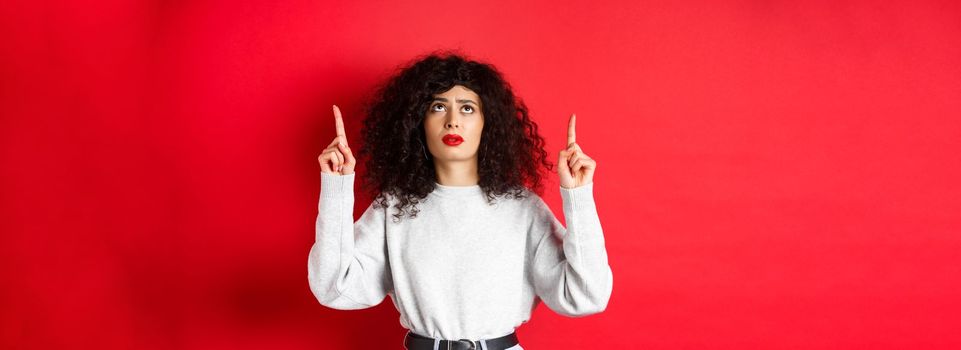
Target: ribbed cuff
x,y
336,186
577,198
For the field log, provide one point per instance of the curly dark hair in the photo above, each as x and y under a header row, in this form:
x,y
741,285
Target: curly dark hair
x,y
510,154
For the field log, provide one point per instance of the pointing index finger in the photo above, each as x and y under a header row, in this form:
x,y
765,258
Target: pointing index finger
x,y
339,121
570,130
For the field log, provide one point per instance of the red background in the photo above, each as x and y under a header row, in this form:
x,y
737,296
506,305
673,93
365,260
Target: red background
x,y
770,174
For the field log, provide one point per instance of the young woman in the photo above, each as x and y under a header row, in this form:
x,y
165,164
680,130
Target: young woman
x,y
457,234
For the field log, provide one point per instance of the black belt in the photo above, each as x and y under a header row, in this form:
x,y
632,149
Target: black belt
x,y
414,341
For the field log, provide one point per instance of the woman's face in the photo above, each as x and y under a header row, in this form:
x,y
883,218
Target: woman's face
x,y
454,112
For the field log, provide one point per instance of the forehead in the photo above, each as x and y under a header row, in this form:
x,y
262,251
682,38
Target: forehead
x,y
458,91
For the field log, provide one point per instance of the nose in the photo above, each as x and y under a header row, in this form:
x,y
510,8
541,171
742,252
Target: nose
x,y
452,122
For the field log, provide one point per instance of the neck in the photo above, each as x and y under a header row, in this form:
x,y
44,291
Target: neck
x,y
457,173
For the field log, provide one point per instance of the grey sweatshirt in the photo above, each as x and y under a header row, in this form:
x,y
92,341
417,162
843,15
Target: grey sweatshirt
x,y
462,269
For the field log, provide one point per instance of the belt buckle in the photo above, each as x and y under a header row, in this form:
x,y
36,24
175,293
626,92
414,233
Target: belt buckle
x,y
473,346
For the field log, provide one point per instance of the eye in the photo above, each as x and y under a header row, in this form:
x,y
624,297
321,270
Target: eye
x,y
468,108
437,107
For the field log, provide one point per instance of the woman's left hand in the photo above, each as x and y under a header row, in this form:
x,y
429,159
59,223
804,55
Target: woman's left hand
x,y
573,166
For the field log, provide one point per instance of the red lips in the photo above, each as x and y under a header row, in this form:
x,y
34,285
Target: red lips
x,y
452,139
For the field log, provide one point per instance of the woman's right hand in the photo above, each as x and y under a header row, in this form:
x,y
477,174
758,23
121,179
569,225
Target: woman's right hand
x,y
337,158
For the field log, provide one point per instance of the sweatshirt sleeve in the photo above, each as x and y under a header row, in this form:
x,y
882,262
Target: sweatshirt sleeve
x,y
347,267
570,268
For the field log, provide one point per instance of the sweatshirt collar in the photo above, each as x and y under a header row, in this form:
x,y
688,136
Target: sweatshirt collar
x,y
457,191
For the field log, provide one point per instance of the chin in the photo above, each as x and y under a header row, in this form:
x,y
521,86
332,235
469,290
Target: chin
x,y
453,154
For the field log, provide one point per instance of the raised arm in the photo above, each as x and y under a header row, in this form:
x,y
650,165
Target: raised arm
x,y
347,268
571,273
570,267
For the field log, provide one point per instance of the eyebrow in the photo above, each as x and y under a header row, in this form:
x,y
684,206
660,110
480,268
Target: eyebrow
x,y
458,101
